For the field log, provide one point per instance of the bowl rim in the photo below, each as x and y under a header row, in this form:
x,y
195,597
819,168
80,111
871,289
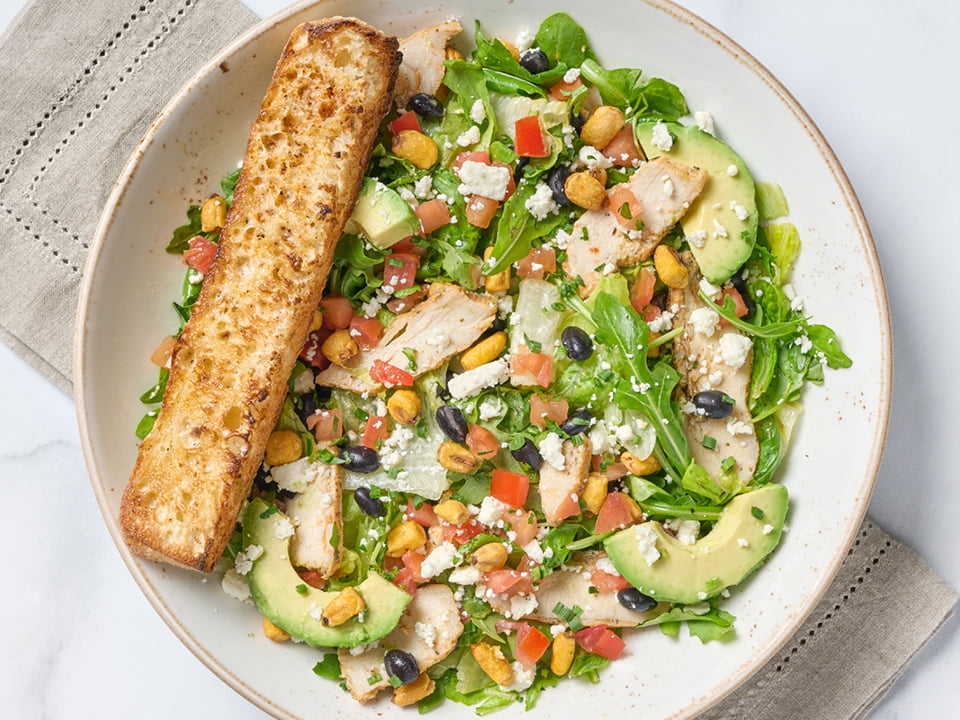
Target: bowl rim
x,y
853,521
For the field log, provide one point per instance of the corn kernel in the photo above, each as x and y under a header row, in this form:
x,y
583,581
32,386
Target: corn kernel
x,y
405,536
339,347
272,632
602,125
636,466
404,406
561,657
213,213
595,491
453,511
416,147
491,660
456,458
451,53
489,557
316,322
499,282
283,446
512,48
346,604
412,692
585,190
484,351
670,267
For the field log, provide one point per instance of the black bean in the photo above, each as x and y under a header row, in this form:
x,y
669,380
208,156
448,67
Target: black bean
x,y
534,61
522,162
659,299
577,343
577,422
496,326
361,459
401,665
323,393
528,454
714,403
633,599
555,181
577,121
262,480
368,505
425,105
308,405
453,423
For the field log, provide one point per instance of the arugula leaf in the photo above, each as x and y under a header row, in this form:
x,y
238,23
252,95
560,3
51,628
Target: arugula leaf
x,y
329,667
517,229
155,394
228,185
355,273
825,340
647,390
623,88
495,56
180,241
714,624
564,40
770,330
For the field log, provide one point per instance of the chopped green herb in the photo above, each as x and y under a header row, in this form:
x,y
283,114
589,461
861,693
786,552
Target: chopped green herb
x,y
709,442
374,679
268,512
302,589
411,355
728,462
756,512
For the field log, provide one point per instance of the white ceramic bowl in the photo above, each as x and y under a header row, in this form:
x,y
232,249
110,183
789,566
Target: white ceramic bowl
x,y
200,136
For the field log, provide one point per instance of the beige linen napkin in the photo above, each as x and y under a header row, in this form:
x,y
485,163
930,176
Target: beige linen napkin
x,y
83,80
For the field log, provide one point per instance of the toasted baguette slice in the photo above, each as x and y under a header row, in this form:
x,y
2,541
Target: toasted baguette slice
x,y
302,171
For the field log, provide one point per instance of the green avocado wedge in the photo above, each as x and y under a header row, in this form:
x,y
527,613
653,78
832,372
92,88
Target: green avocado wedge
x,y
721,224
290,604
382,215
748,530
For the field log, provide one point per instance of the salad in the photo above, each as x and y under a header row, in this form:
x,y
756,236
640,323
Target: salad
x,y
546,393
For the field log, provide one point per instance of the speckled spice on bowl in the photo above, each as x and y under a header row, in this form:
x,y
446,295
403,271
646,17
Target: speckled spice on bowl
x,y
200,136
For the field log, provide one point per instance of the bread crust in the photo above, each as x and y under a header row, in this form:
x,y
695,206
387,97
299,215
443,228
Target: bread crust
x,y
303,166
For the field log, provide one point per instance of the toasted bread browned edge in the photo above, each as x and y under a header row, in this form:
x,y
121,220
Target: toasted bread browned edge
x,y
138,526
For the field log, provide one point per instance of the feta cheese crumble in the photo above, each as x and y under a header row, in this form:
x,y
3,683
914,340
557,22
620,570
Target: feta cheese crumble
x,y
704,321
661,137
646,543
440,559
541,203
551,448
478,113
734,349
469,383
470,136
484,180
704,121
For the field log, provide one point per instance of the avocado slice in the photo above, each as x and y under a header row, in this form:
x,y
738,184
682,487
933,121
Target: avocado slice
x,y
290,604
748,530
715,212
382,215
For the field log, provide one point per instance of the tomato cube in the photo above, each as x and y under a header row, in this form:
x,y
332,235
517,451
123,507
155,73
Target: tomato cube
x,y
537,263
201,254
531,645
625,206
482,442
529,137
622,150
499,581
563,90
432,214
310,353
477,156
337,312
375,432
390,375
423,515
326,424
641,296
539,366
405,121
400,271
366,331
510,488
617,510
480,211
542,410
601,641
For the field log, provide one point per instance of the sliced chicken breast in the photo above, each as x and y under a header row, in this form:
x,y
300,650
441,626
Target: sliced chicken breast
x,y
560,489
664,190
423,54
446,323
428,630
317,519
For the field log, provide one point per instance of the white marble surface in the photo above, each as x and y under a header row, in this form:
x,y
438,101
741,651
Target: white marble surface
x,y
78,640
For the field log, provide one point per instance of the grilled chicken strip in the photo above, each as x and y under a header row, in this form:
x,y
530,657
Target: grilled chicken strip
x,y
423,55
704,361
446,323
560,489
428,630
316,514
664,189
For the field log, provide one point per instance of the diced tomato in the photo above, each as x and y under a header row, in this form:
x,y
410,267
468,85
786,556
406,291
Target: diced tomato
x,y
511,183
525,567
510,488
739,306
375,432
423,515
310,353
601,641
405,121
414,561
366,331
459,534
499,581
163,355
523,524
531,645
480,211
400,270
624,205
326,424
482,442
563,90
313,578
537,263
529,137
617,511
538,365
642,294
605,582
201,254
337,312
389,375
433,214
477,156
542,410
404,579
622,149
402,304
